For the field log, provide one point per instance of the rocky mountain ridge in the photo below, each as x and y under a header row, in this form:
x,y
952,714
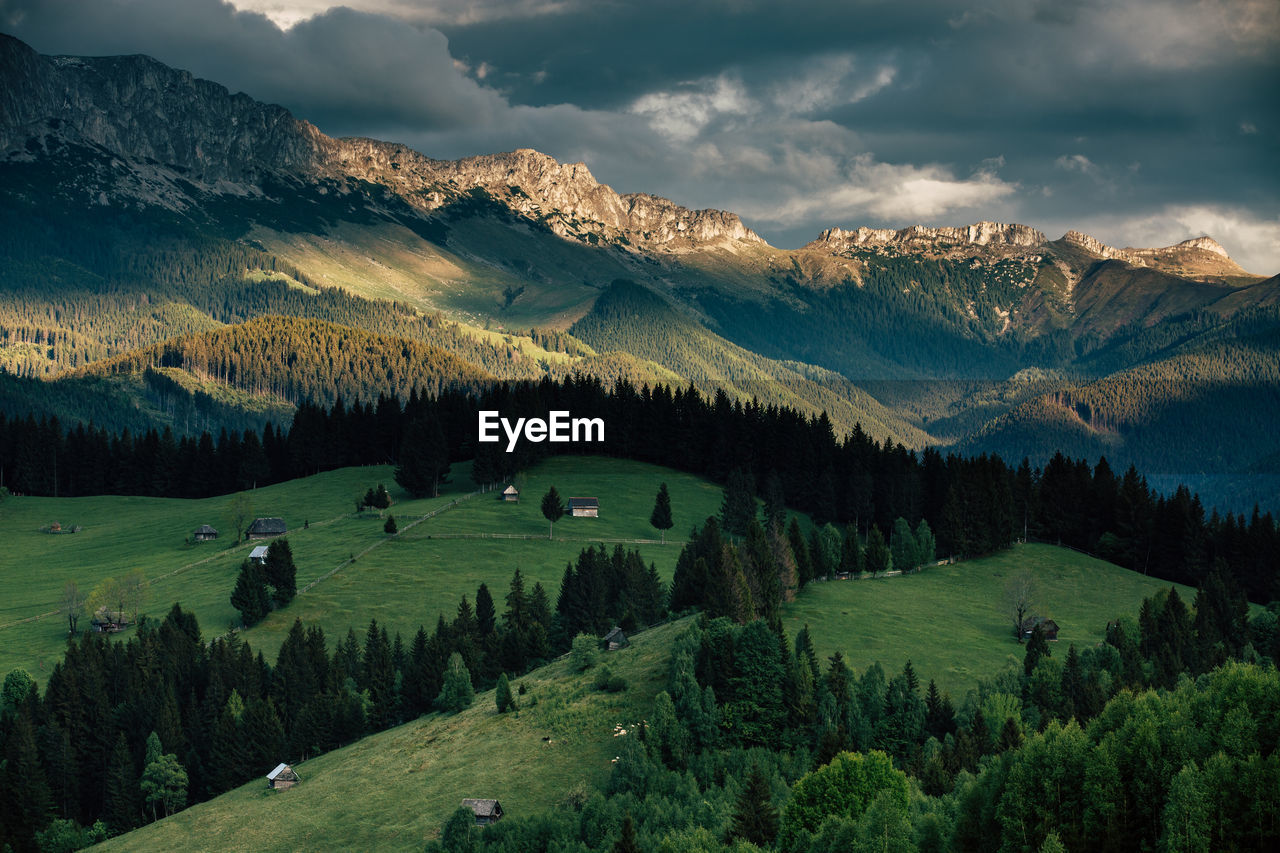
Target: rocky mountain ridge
x,y
1198,255
144,112
172,129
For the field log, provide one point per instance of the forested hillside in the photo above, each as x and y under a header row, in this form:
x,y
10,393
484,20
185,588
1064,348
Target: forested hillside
x,y
633,319
1205,408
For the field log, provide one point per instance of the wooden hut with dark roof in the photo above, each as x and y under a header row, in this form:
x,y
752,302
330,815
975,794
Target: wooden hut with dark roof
x,y
486,811
204,533
615,639
266,528
1047,626
584,507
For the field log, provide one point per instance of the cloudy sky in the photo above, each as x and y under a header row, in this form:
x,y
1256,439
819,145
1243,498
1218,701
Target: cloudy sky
x,y
1142,122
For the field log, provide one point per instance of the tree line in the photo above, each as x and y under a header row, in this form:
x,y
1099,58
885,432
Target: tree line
x,y
971,505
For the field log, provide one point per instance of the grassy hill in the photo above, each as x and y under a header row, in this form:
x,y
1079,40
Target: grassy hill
x,y
950,622
393,790
402,581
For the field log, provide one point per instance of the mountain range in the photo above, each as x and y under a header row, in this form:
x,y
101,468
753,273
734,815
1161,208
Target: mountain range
x,y
150,219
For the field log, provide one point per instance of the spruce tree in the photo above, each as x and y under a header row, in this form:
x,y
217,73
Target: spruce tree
x,y
502,695
280,572
250,594
661,517
457,693
552,509
739,506
424,458
926,545
486,616
390,527
877,555
626,842
25,799
902,545
1037,647
120,797
775,502
800,550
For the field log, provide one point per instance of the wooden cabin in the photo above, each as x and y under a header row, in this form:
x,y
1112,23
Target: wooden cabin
x,y
486,811
266,528
282,778
204,533
615,639
584,507
511,493
1048,626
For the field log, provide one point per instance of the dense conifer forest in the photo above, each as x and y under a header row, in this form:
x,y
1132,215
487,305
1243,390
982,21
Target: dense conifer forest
x,y
974,505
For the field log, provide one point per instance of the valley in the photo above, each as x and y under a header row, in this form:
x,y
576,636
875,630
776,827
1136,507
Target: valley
x,y
878,452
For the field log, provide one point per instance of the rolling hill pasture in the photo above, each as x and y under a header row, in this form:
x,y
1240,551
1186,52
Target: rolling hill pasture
x,y
403,581
950,621
393,790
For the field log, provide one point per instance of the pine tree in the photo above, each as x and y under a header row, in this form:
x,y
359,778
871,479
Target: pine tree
x,y
739,506
775,505
456,694
800,549
1010,735
280,572
661,517
502,695
378,676
120,805
626,842
26,802
250,594
902,545
926,545
390,527
552,509
486,615
755,819
1073,686
1037,647
424,458
878,557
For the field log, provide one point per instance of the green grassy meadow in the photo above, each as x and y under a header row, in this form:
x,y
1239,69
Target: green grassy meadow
x,y
950,620
394,790
403,581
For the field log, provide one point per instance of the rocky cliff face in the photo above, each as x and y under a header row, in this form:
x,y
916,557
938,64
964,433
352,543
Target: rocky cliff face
x,y
919,237
565,196
1201,258
140,110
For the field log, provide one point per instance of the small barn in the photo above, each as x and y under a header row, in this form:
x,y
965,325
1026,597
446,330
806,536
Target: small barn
x,y
282,778
266,528
1048,626
511,493
616,639
259,555
204,533
106,621
486,811
584,507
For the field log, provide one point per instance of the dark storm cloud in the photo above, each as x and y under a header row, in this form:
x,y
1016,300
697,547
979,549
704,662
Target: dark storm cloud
x,y
1142,121
342,69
